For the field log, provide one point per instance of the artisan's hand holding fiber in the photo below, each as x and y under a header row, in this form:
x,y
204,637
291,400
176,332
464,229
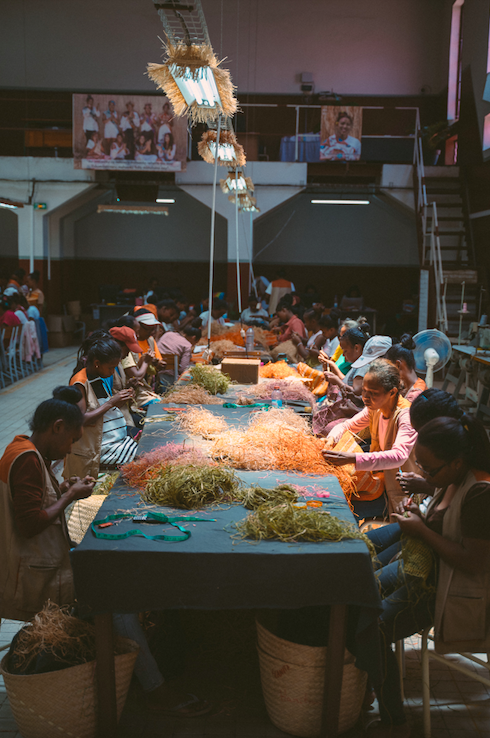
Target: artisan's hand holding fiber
x,y
413,525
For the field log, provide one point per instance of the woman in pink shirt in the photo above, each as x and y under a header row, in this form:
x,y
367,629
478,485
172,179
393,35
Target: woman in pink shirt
x,y
7,316
386,414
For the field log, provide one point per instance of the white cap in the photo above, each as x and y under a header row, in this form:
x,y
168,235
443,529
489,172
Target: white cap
x,y
374,348
147,319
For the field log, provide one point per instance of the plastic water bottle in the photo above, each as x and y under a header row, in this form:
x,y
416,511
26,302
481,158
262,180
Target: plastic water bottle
x,y
276,397
250,339
336,301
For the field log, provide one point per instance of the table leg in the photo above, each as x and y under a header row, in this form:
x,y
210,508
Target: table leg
x,y
333,671
106,677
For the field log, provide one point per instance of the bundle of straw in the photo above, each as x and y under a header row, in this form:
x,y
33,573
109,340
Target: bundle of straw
x,y
254,497
279,370
53,630
190,486
201,422
291,390
210,378
138,472
288,523
222,346
192,394
284,417
269,443
288,348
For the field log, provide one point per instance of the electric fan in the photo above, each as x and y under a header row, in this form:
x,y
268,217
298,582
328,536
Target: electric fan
x,y
432,352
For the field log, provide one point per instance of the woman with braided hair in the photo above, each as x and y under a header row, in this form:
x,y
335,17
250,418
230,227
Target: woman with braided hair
x,y
454,456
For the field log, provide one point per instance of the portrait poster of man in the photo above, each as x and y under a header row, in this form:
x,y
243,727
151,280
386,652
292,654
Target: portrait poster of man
x,y
340,133
130,132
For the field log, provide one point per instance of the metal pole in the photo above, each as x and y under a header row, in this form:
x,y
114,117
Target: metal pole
x,y
296,141
213,220
251,281
31,248
238,287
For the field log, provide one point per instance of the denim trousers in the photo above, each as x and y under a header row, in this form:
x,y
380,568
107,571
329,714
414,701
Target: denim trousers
x,y
145,668
407,608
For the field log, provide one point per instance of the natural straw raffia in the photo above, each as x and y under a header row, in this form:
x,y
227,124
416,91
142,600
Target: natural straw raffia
x,y
81,515
293,678
225,137
193,57
64,703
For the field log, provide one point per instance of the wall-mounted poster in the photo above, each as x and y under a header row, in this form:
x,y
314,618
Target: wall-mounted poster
x,y
340,133
131,132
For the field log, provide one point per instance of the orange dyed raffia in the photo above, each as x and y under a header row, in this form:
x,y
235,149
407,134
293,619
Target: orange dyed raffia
x,y
279,370
270,443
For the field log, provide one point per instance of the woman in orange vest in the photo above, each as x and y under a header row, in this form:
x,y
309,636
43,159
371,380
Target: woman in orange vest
x,y
34,541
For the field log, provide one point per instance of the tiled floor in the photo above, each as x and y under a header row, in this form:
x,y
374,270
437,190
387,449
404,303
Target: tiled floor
x,y
228,674
18,402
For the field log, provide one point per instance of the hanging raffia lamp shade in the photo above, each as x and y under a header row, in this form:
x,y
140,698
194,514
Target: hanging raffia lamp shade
x,y
194,83
235,181
230,152
245,200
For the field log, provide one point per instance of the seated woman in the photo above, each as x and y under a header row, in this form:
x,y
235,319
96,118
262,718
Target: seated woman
x,y
105,405
8,318
35,296
290,323
329,326
401,354
454,455
386,414
34,541
255,314
309,350
352,343
33,526
430,404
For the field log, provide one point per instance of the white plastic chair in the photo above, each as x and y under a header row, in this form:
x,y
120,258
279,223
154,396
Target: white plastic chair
x,y
428,654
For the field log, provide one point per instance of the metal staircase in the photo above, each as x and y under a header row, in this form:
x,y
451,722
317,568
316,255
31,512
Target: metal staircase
x,y
446,247
444,188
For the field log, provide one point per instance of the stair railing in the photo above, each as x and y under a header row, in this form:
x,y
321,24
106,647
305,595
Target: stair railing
x,y
418,162
436,263
435,253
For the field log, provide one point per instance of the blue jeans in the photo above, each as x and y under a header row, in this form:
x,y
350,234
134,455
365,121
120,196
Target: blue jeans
x,y
145,668
370,508
406,610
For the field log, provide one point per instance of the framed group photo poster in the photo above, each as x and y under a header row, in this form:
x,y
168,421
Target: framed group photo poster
x,y
340,133
130,132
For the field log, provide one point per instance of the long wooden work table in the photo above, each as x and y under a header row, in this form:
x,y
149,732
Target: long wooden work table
x,y
212,570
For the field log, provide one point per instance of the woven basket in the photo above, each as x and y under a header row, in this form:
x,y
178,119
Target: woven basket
x,y
64,703
82,514
292,679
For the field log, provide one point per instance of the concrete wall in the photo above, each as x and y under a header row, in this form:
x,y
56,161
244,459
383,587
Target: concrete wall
x,y
183,235
299,232
392,47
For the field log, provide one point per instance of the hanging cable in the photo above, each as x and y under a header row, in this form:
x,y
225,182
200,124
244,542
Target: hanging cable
x,y
213,220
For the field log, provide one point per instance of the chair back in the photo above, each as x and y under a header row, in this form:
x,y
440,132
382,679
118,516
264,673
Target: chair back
x,y
172,361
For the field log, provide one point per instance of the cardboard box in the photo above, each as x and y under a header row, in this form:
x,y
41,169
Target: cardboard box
x,y
60,323
243,371
60,339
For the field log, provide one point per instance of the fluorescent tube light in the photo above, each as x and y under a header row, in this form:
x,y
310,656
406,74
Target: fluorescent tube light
x,y
6,205
162,199
202,91
340,202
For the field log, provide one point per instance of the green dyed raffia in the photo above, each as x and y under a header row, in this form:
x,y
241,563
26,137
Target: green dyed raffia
x,y
287,523
254,497
189,486
210,378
